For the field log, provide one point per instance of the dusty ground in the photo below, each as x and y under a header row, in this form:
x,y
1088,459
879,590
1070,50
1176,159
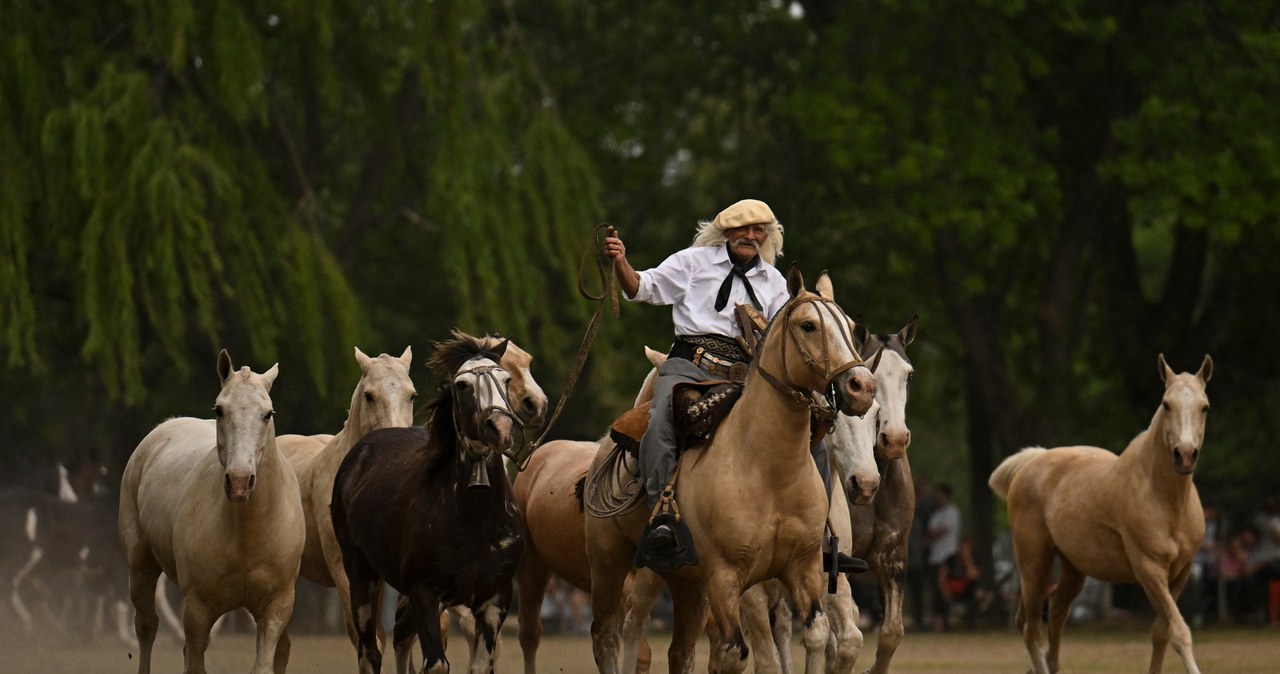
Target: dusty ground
x,y
1239,651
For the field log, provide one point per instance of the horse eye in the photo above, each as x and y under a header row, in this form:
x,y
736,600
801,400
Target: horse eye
x,y
808,326
217,411
1165,405
368,397
462,385
1204,410
268,415
413,397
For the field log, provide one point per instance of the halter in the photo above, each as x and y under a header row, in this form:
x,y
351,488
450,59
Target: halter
x,y
820,405
488,373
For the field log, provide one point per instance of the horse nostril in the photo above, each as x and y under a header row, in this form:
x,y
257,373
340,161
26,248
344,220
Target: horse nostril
x,y
226,483
253,479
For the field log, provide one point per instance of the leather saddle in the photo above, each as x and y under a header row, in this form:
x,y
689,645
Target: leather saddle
x,y
697,408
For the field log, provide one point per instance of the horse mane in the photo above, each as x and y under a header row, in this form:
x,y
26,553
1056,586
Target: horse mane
x,y
451,354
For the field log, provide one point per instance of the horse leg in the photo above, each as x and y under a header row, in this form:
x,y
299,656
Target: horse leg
x,y
489,617
758,626
609,569
404,632
1067,589
807,586
890,569
273,639
363,613
197,620
1035,564
424,605
689,604
646,586
142,594
780,625
846,639
532,576
1169,624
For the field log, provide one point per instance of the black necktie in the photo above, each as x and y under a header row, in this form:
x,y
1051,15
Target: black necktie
x,y
739,269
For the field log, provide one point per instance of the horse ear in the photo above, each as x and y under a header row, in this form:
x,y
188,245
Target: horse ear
x,y
1205,373
269,377
654,356
361,358
1165,371
908,333
501,348
224,365
824,287
407,356
860,334
795,280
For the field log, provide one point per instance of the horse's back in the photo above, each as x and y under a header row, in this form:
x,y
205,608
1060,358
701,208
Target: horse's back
x,y
550,499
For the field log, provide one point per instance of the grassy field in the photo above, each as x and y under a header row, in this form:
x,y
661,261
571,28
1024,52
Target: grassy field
x,y
1086,651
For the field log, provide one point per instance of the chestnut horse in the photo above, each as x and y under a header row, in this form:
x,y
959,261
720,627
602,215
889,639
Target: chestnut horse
x,y
1132,517
751,497
429,511
213,504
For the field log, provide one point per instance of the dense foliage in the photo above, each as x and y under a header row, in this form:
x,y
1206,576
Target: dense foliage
x,y
1062,190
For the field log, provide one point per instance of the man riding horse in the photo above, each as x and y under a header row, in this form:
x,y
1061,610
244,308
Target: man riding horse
x,y
730,263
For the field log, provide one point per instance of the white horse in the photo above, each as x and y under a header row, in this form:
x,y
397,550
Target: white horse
x,y
383,398
213,504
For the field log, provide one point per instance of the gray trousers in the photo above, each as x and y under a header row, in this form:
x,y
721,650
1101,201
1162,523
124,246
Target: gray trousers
x,y
658,446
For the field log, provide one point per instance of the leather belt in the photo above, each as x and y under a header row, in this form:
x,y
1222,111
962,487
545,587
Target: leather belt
x,y
715,365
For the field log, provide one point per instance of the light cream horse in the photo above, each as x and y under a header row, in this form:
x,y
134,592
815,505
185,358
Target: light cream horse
x,y
1134,517
752,497
383,398
214,505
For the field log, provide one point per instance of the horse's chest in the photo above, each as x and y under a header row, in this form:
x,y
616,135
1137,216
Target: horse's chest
x,y
465,558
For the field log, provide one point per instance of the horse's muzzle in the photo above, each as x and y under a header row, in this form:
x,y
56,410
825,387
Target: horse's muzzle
x,y
855,390
238,485
862,492
1184,459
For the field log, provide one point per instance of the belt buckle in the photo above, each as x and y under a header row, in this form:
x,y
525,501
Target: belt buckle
x,y
738,372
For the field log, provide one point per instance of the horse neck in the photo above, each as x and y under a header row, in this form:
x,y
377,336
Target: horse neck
x,y
1148,454
352,429
769,419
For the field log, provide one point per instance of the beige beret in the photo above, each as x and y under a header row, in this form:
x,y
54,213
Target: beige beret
x,y
743,213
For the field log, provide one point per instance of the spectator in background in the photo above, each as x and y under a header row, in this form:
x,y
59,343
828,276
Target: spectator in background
x,y
1267,556
958,579
1237,569
943,539
919,583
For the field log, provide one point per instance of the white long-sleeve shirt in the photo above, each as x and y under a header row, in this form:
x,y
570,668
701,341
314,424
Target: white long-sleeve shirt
x,y
689,280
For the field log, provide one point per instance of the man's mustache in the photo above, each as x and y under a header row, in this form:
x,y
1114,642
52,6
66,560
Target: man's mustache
x,y
748,242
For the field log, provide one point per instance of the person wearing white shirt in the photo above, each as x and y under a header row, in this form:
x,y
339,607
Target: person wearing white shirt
x,y
730,262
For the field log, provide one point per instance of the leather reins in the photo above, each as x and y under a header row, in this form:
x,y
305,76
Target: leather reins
x,y
797,394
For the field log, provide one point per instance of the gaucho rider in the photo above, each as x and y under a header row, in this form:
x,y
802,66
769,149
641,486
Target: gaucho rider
x,y
731,262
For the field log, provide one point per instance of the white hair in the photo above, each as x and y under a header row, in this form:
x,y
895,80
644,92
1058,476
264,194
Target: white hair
x,y
711,235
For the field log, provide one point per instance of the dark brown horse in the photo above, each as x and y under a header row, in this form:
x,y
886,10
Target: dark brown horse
x,y
429,511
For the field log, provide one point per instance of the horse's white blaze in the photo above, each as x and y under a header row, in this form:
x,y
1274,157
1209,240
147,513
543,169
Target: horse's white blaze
x,y
893,378
852,451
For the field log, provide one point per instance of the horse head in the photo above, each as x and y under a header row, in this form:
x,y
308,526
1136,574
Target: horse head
x,y
1182,413
853,446
245,423
810,348
384,396
893,385
527,397
483,418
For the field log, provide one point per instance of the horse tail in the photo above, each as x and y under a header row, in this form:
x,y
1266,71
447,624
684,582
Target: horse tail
x,y
1002,476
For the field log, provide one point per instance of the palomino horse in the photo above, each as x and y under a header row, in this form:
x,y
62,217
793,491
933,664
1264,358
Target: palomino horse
x,y
766,614
1132,517
213,504
751,497
429,510
383,398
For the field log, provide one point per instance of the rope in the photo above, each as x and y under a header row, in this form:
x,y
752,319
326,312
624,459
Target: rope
x,y
609,291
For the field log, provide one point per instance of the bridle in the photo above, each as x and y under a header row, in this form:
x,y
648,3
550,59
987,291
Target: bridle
x,y
820,405
472,447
